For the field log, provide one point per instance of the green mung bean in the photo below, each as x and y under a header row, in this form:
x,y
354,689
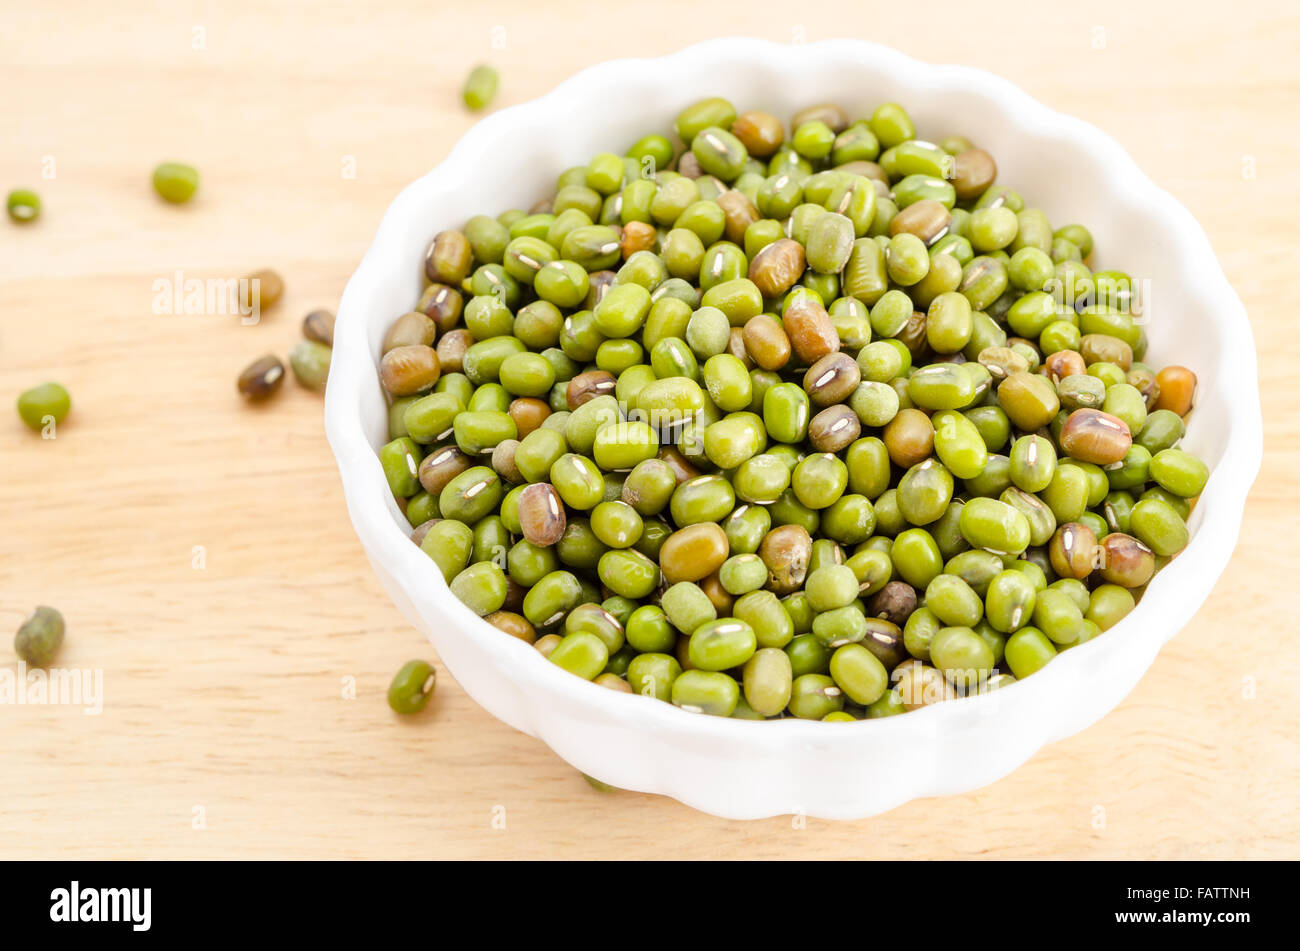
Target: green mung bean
x,y
175,182
23,205
480,87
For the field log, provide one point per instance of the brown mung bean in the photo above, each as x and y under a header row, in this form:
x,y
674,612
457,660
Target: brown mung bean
x,y
1090,435
411,329
766,342
832,379
451,350
973,171
319,326
503,461
409,369
259,291
928,219
1177,389
895,603
693,552
440,467
261,378
761,133
516,625
449,258
1073,551
834,428
909,437
529,413
786,551
738,213
585,387
443,304
541,514
828,112
637,236
810,329
1125,561
777,267
1062,364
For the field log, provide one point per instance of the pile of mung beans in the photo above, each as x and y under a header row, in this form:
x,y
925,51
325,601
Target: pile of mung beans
x,y
828,424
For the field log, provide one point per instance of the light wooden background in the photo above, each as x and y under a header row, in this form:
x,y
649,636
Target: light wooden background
x,y
224,683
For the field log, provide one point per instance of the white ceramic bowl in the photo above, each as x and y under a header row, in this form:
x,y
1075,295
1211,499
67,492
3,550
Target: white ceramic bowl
x,y
743,769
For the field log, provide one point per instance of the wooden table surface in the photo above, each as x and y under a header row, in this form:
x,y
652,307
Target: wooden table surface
x,y
201,552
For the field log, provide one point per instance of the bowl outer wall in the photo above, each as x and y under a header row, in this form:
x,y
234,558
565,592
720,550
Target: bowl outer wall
x,y
742,769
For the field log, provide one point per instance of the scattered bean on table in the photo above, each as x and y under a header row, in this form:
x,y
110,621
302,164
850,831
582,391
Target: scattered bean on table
x,y
48,402
480,87
175,182
23,205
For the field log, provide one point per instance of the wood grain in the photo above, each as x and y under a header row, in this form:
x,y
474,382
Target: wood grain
x,y
224,684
